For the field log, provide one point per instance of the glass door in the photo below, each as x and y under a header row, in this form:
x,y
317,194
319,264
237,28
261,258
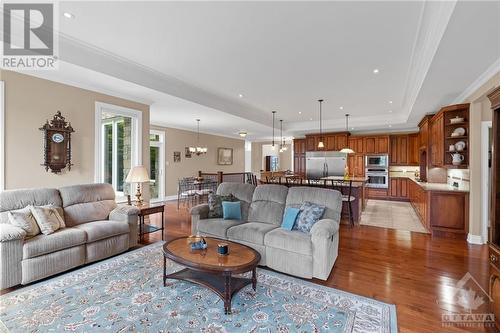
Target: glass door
x,y
157,164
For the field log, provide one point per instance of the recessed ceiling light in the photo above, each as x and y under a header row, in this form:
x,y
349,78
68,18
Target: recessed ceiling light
x,y
300,112
240,95
390,125
68,15
375,71
352,128
390,111
341,108
310,119
390,102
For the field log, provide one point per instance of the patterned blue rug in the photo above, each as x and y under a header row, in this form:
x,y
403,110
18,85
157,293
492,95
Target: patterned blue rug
x,y
125,294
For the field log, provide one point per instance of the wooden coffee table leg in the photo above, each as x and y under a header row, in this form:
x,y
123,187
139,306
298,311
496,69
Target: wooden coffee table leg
x,y
164,271
254,279
227,293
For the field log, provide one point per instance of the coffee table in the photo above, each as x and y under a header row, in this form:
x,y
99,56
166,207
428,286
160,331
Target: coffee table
x,y
211,270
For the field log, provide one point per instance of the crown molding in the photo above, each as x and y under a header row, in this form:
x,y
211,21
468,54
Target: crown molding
x,y
434,19
479,82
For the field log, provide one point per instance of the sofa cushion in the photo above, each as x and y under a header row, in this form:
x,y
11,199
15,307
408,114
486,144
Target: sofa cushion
x,y
61,239
252,232
217,227
215,204
331,199
87,203
17,199
48,219
310,213
103,229
24,219
292,241
268,204
242,192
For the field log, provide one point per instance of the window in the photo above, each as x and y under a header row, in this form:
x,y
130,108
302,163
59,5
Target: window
x,y
157,163
118,145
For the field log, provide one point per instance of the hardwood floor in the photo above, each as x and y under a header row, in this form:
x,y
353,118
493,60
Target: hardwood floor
x,y
412,270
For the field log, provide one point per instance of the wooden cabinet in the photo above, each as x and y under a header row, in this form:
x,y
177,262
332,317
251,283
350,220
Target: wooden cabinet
x,y
398,188
331,141
376,144
356,144
310,143
377,193
299,156
398,154
418,199
413,149
356,163
340,142
423,134
449,213
437,140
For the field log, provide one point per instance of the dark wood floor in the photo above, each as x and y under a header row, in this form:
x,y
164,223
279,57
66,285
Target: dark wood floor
x,y
414,271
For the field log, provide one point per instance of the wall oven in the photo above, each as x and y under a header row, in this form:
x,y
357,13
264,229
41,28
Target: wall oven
x,y
377,161
377,179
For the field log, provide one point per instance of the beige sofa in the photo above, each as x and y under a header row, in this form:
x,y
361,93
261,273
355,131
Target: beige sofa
x,y
293,252
95,229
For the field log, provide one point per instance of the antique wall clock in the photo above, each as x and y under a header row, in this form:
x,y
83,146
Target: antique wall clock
x,y
57,144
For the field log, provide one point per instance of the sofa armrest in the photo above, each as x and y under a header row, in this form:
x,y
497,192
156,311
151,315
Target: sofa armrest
x,y
10,232
199,212
11,255
128,214
325,228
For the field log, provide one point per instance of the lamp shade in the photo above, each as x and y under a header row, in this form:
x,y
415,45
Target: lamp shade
x,y
347,151
138,174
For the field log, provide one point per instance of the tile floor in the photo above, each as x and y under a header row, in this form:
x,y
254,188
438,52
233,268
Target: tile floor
x,y
391,214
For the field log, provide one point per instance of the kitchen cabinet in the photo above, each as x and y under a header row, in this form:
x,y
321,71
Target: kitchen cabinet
x,y
340,141
299,156
376,144
413,149
437,140
418,199
356,144
398,188
356,163
423,134
399,150
331,141
377,193
311,143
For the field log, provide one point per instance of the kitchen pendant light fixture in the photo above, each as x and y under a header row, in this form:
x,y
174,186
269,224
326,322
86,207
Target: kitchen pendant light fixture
x,y
198,150
281,136
274,115
320,143
347,150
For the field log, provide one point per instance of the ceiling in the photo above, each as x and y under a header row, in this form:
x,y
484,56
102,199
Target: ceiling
x,y
231,63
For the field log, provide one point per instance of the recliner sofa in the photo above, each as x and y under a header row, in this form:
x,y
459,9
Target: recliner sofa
x,y
293,252
95,229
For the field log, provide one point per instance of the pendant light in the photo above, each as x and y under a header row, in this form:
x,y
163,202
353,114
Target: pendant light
x,y
274,115
320,143
198,150
283,146
281,136
347,150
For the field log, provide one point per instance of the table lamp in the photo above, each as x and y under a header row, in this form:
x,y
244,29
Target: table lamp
x,y
138,174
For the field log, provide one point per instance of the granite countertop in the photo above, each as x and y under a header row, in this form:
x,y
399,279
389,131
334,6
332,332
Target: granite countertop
x,y
440,187
401,174
354,179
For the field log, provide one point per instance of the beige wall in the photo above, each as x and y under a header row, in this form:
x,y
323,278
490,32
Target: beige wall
x,y
177,140
259,153
480,111
29,103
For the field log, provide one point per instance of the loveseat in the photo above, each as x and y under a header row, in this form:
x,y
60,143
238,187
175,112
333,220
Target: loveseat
x,y
293,252
95,229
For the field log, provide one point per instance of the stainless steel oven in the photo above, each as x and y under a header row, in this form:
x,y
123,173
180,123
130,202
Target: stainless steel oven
x,y
377,161
378,177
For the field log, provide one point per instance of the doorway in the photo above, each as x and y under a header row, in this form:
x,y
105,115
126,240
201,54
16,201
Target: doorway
x,y
486,176
157,165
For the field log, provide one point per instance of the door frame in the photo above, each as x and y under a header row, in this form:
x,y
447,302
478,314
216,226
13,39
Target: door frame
x,y
485,193
161,145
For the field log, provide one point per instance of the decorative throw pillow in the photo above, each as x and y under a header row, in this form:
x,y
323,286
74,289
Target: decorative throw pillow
x,y
289,218
215,204
231,210
48,219
310,213
24,219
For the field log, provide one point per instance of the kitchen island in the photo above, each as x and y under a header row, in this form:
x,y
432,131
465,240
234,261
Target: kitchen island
x,y
358,191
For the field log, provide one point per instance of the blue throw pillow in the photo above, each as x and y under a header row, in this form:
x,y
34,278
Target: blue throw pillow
x,y
310,213
231,210
289,218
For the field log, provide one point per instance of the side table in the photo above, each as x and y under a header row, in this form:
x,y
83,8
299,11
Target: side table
x,y
149,209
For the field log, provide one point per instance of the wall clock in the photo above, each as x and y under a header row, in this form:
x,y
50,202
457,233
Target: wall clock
x,y
57,143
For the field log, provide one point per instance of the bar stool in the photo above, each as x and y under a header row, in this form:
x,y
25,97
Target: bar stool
x,y
341,185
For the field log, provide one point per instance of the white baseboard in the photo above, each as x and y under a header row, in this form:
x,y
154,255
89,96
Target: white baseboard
x,y
170,198
475,239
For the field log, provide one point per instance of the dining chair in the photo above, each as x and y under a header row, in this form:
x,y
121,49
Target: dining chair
x,y
295,180
186,191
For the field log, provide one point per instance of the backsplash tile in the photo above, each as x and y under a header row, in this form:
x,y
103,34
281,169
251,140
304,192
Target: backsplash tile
x,y
460,177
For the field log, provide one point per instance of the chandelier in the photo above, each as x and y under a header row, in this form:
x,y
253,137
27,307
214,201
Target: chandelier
x,y
198,150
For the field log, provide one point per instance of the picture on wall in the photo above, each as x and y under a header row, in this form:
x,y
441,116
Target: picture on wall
x,y
187,152
177,156
225,156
